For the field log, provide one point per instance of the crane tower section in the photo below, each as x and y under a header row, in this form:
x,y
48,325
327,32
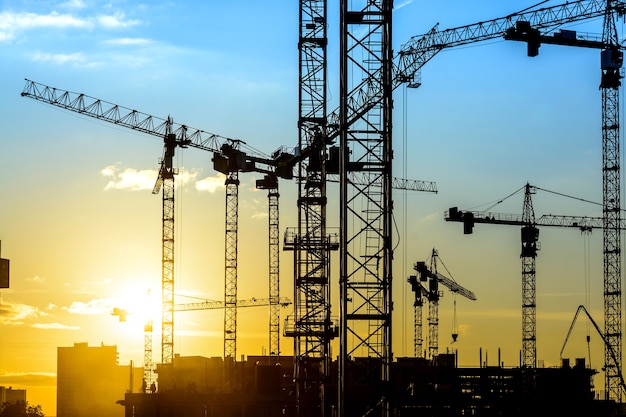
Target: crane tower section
x,y
611,63
311,325
366,248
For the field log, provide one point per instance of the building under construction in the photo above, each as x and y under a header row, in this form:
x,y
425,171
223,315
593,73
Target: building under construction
x,y
264,387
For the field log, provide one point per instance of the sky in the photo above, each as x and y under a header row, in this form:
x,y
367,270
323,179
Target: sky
x,y
82,229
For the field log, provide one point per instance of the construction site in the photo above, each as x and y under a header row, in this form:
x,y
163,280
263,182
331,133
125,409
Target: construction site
x,y
353,146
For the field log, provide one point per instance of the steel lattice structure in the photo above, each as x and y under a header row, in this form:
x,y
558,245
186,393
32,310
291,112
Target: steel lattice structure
x,y
274,269
366,248
230,264
611,171
311,325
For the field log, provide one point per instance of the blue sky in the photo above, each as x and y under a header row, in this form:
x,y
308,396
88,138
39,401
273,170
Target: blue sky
x,y
82,229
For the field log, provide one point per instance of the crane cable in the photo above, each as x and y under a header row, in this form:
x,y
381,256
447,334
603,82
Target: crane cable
x,y
587,277
404,213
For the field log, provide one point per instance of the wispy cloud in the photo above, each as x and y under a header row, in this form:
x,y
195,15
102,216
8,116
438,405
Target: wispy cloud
x,y
76,58
129,178
28,378
211,184
116,21
13,23
128,42
96,306
54,326
144,179
16,314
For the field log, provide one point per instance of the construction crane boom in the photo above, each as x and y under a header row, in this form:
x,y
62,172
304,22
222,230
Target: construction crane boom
x,y
420,49
469,217
186,136
217,304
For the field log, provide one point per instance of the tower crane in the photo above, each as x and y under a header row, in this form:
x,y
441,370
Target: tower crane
x,y
368,77
529,239
229,158
432,294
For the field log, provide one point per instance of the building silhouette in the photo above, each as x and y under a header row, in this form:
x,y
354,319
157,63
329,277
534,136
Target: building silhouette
x,y
12,396
90,381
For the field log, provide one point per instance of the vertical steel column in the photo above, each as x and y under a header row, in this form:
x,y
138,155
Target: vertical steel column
x,y
612,58
230,276
529,236
167,261
312,327
274,267
366,209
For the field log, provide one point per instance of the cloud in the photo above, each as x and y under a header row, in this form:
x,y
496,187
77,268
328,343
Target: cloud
x,y
97,306
54,326
129,178
28,378
128,41
73,4
76,58
116,21
12,23
16,314
211,184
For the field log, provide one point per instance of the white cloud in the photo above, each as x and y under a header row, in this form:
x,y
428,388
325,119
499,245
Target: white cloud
x,y
129,178
97,306
128,41
211,184
13,22
54,326
60,59
15,314
116,21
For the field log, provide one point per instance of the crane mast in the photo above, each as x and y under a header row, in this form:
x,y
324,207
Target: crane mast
x,y
311,325
366,248
611,64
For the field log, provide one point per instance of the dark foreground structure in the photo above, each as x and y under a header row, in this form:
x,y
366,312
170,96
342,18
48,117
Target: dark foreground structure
x,y
263,387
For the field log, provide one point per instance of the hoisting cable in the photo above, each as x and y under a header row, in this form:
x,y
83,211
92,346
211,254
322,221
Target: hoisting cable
x,y
404,211
493,204
587,277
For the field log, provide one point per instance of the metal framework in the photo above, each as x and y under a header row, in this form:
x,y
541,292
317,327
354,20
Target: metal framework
x,y
366,248
311,325
274,269
530,237
230,264
166,181
432,294
270,183
611,172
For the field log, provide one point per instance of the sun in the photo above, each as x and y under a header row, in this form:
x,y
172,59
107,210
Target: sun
x,y
138,307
